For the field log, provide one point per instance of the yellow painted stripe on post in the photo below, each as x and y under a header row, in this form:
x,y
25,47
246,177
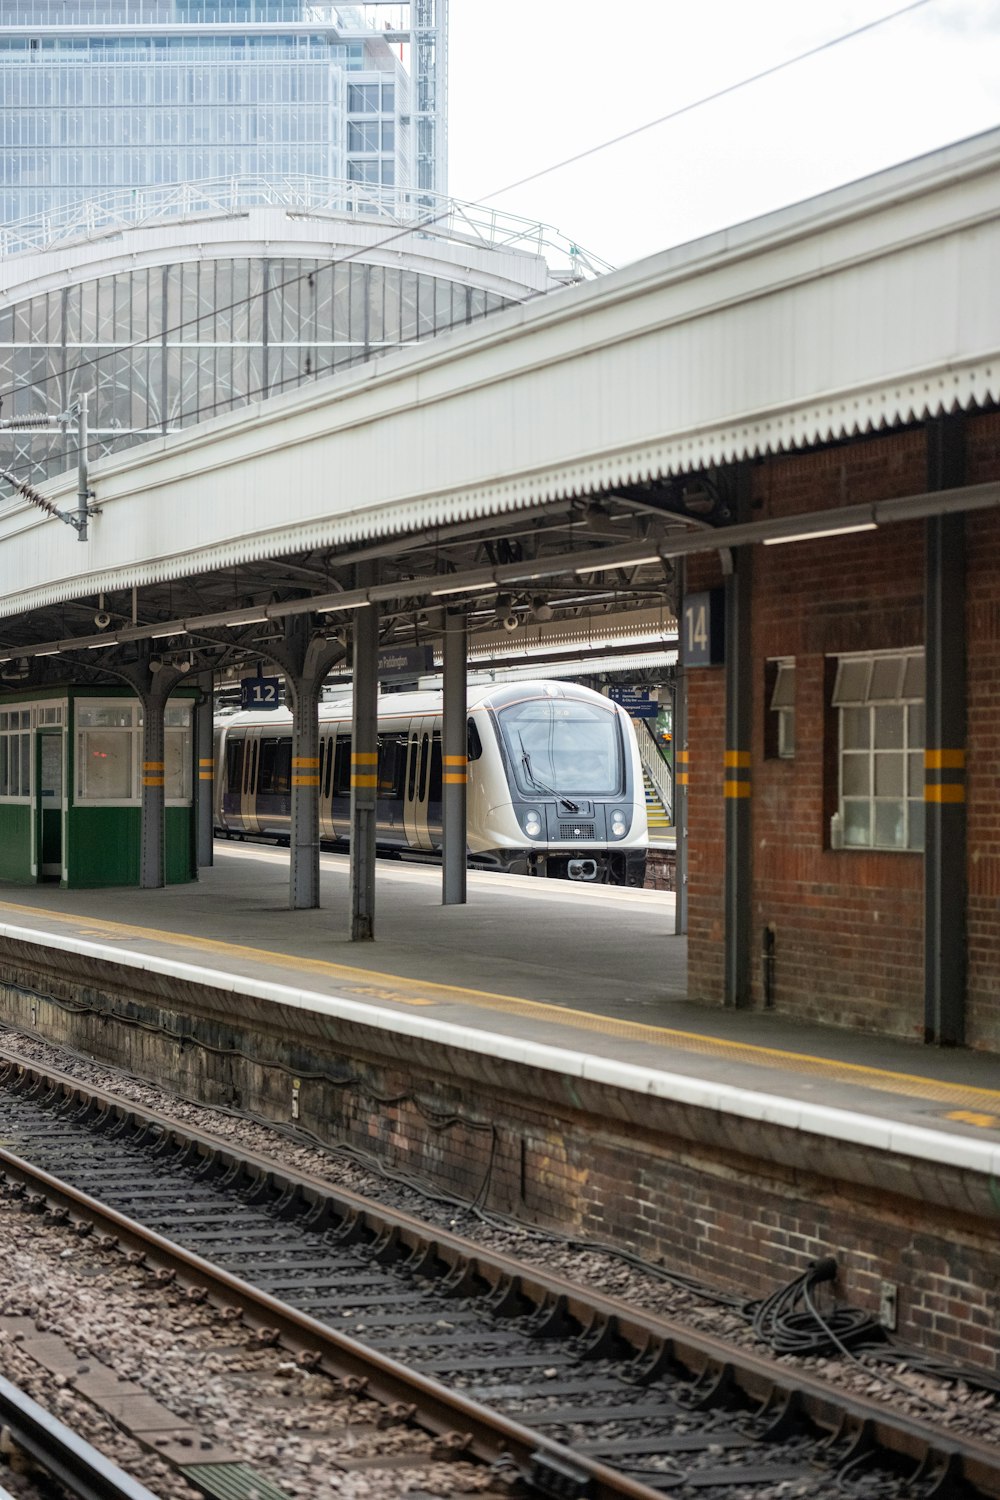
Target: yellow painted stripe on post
x,y
206,760
305,762
152,781
152,765
738,758
944,792
454,778
683,755
364,758
736,788
682,778
364,781
205,776
305,781
944,760
456,760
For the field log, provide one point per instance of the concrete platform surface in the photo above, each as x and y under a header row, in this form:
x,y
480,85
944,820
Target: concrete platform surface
x,y
569,969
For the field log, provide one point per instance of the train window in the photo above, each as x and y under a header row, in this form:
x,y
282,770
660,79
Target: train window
x,y
327,775
424,765
411,780
391,765
342,767
275,775
474,744
234,765
434,785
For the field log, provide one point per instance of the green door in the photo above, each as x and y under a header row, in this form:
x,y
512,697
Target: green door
x,y
49,809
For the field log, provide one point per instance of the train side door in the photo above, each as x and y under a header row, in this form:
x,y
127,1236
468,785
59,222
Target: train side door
x,y
418,770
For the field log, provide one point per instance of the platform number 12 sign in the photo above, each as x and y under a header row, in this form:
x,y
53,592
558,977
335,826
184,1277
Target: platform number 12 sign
x,y
260,692
702,636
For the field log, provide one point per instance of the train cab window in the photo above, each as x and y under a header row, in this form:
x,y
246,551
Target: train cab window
x,y
474,745
234,765
342,767
391,765
275,775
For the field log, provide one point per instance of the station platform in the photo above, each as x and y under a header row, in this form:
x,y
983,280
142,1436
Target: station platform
x,y
571,975
533,1053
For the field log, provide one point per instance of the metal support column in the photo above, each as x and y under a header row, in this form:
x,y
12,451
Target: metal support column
x,y
152,853
680,809
736,781
454,751
304,832
945,881
364,772
204,760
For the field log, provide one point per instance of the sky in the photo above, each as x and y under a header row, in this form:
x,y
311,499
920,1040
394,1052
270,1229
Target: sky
x,y
532,82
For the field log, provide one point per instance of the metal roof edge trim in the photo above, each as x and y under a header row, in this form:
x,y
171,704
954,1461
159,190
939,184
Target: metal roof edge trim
x,y
865,411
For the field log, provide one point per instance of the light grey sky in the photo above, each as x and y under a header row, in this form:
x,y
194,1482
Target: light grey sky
x,y
535,81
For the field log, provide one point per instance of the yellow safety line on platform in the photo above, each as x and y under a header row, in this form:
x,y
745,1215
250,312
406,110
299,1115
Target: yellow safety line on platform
x,y
938,1090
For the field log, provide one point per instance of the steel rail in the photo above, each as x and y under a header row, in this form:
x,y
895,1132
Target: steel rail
x,y
64,1456
661,1342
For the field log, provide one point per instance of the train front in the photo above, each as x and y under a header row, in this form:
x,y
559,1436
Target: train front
x,y
555,785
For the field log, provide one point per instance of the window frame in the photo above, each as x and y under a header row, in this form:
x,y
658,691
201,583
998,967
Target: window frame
x,y
888,727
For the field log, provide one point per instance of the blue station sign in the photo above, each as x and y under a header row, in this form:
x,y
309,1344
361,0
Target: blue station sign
x,y
635,701
260,692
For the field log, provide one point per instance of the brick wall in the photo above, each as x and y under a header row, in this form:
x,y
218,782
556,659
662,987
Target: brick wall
x,y
847,925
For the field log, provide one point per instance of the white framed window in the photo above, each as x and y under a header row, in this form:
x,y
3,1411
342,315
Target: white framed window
x,y
879,699
15,754
108,747
780,733
177,751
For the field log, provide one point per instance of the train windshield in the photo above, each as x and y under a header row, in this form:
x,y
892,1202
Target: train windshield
x,y
557,745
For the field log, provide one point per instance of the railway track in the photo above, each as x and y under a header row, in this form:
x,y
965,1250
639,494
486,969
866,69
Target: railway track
x,y
564,1392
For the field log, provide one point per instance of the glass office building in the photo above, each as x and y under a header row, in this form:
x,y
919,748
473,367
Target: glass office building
x,y
105,96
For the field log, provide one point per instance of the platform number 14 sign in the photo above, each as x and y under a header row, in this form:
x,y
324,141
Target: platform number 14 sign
x,y
702,633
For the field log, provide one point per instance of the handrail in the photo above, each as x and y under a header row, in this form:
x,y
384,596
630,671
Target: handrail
x,y
655,766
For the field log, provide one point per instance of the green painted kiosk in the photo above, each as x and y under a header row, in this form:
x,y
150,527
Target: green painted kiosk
x,y
71,787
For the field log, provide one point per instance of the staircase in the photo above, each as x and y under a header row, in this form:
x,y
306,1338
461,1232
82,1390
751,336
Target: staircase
x,y
657,780
657,815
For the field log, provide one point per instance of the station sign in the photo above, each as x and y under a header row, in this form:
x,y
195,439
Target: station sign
x,y
703,641
260,692
636,702
405,661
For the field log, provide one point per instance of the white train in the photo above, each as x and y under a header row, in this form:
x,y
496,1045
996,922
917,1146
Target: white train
x,y
555,783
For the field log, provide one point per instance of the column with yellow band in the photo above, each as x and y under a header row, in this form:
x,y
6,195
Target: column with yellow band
x,y
364,768
944,775
683,765
152,773
736,782
305,770
205,768
455,770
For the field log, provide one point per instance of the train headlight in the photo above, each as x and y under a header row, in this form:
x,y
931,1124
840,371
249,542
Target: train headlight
x,y
619,823
532,823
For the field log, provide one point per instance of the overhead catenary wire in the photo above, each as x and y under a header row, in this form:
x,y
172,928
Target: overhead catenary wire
x,y
429,221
